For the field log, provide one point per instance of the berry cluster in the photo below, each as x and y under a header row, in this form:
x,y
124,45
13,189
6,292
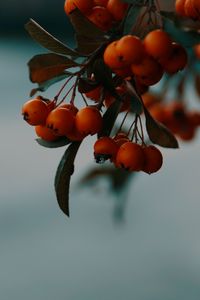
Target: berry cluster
x,y
102,13
114,65
127,154
65,120
173,115
146,60
188,8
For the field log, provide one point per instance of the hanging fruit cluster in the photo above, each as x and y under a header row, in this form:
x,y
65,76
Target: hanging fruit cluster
x,y
123,49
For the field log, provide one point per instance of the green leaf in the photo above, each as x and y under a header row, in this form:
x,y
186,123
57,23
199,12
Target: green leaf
x,y
63,176
136,104
42,87
55,144
185,38
131,18
171,15
158,133
48,41
110,117
88,36
44,67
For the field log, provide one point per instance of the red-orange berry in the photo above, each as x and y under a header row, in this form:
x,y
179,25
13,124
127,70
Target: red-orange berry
x,y
70,107
105,148
194,117
158,44
94,94
101,17
130,50
176,61
121,138
117,8
83,5
45,133
60,121
196,5
89,120
130,156
153,159
111,57
150,99
191,10
35,111
180,7
100,2
148,72
75,135
197,51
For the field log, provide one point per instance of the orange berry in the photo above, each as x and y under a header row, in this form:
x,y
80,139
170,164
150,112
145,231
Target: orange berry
x,y
180,7
175,116
45,133
176,61
190,10
117,8
89,120
94,94
75,135
83,5
194,117
35,111
70,107
148,72
111,57
101,17
140,87
158,44
130,50
149,99
105,148
121,90
60,121
196,5
121,138
197,51
100,2
187,132
158,112
153,159
130,156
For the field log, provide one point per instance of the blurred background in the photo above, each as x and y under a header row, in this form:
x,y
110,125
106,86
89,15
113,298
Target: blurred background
x,y
141,244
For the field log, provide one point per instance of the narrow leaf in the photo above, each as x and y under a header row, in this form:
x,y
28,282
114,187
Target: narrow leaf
x,y
87,45
44,67
88,36
158,133
136,104
131,18
54,144
63,176
103,75
186,39
47,40
110,117
84,27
